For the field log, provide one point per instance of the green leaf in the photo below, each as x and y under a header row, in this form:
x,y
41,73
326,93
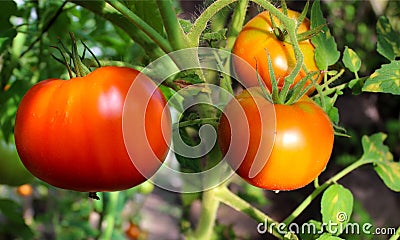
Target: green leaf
x,y
174,99
326,52
356,85
7,30
336,208
379,154
351,60
327,236
374,149
9,101
14,223
147,11
388,40
389,172
385,80
185,24
189,76
215,36
330,109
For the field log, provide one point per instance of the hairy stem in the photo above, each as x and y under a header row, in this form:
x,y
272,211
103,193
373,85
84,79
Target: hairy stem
x,y
176,36
208,215
142,25
237,23
110,214
229,198
117,19
291,27
201,22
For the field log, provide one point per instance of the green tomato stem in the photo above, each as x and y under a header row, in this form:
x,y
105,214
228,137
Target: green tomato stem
x,y
208,215
356,75
92,63
225,80
110,212
299,62
237,23
322,187
142,25
332,79
210,120
176,36
201,23
223,194
117,19
291,27
80,69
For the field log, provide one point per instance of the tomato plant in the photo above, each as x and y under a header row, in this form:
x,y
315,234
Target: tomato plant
x,y
69,132
12,171
258,39
296,155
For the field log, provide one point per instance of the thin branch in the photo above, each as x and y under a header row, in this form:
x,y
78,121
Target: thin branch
x,y
45,28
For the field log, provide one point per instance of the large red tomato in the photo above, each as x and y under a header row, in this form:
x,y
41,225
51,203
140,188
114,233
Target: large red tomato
x,y
257,39
288,145
69,132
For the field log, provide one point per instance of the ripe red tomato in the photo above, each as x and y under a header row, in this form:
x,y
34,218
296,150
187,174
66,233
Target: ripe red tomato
x,y
69,133
288,145
256,39
12,171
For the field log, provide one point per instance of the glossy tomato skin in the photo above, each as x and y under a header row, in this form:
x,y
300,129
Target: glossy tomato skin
x,y
256,39
300,150
12,171
69,132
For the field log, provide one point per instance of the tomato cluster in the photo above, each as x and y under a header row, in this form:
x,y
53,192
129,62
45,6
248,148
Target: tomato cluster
x,y
274,146
288,145
69,132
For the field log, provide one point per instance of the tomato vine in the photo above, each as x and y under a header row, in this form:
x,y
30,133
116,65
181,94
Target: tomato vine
x,y
170,34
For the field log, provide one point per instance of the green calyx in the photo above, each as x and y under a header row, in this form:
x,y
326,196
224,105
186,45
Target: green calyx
x,y
282,34
79,69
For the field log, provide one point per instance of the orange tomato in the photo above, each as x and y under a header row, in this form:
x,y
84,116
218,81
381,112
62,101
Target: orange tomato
x,y
287,146
24,190
257,39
